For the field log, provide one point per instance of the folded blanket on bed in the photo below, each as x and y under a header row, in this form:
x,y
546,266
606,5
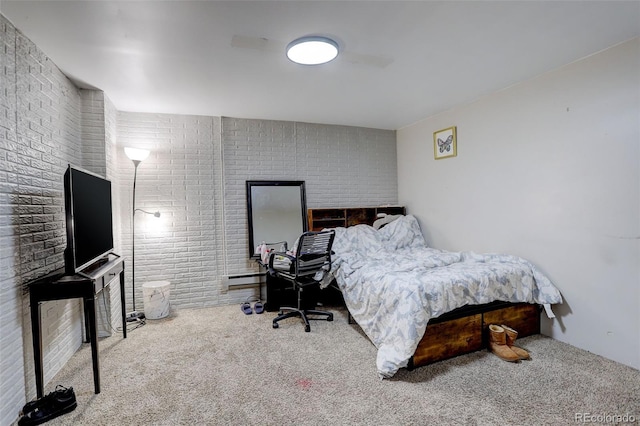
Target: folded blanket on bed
x,y
393,284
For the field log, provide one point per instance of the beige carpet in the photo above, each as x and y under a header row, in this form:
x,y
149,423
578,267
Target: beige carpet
x,y
218,366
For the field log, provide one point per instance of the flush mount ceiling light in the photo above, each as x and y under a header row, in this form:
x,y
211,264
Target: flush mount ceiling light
x,y
312,50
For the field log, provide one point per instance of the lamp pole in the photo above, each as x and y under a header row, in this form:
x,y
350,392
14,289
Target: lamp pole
x,y
135,314
136,155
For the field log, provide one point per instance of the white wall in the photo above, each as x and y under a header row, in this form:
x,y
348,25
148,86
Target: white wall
x,y
548,170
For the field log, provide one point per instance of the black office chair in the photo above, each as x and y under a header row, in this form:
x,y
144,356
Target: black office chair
x,y
313,254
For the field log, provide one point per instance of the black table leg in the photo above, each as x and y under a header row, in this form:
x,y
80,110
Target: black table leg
x,y
58,286
88,333
89,307
122,304
36,334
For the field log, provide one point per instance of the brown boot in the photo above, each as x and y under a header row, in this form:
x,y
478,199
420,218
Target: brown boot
x,y
512,335
498,344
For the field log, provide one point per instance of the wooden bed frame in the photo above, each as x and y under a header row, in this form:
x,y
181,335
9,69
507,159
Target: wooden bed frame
x,y
458,332
464,330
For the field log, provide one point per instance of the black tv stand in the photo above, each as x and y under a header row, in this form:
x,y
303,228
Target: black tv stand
x,y
86,285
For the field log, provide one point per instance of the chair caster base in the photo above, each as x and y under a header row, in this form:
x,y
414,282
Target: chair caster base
x,y
303,314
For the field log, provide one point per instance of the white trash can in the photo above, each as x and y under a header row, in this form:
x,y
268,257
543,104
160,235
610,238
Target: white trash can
x,y
156,299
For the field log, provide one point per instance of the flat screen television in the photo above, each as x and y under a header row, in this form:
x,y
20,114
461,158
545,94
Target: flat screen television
x,y
88,210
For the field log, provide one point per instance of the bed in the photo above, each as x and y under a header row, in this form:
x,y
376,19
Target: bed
x,y
419,305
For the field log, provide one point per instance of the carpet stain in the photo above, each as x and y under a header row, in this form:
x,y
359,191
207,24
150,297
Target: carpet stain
x,y
304,384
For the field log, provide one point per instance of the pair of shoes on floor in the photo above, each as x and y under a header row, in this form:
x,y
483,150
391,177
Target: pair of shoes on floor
x,y
52,405
501,342
258,307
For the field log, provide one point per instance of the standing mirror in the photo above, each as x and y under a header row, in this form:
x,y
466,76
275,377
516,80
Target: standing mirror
x,y
277,212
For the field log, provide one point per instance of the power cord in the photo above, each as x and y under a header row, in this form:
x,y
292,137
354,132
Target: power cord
x,y
134,324
106,311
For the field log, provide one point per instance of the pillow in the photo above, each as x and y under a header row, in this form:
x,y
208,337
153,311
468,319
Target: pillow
x,y
402,233
359,238
385,219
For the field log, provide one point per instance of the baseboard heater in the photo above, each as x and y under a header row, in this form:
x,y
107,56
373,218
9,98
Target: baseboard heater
x,y
232,282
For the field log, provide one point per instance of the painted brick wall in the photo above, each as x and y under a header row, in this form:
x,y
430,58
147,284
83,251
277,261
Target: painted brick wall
x,y
98,156
341,166
347,166
48,128
182,246
110,133
40,135
44,119
11,356
93,132
196,174
93,160
253,150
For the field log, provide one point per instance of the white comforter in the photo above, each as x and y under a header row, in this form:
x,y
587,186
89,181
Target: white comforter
x,y
393,284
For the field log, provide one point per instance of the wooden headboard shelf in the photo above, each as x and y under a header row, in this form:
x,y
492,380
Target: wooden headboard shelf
x,y
319,219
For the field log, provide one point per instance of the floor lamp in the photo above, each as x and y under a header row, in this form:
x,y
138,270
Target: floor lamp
x,y
137,156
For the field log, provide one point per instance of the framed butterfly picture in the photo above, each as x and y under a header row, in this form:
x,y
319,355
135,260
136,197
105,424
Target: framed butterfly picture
x,y
444,143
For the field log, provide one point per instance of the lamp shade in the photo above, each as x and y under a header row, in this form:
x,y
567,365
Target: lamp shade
x,y
312,50
136,154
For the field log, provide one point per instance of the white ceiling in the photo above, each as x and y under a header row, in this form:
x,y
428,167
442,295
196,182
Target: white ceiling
x,y
177,56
